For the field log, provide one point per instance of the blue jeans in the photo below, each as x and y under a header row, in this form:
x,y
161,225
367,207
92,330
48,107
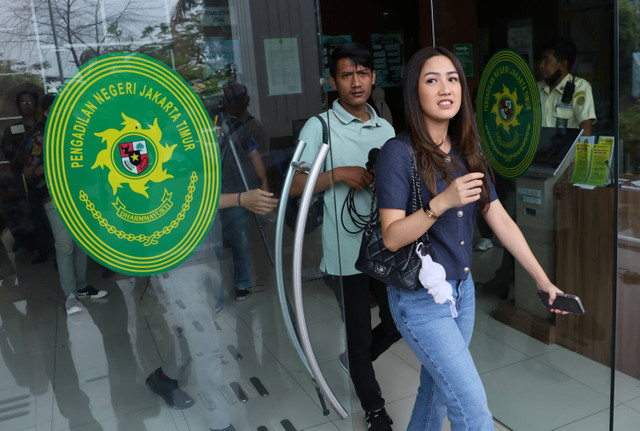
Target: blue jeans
x,y
71,259
449,382
236,232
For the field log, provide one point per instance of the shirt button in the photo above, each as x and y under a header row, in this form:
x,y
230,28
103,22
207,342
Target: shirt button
x,y
461,242
466,269
460,213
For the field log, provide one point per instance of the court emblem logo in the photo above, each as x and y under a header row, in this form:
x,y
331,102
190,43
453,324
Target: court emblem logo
x,y
507,108
133,155
132,163
508,113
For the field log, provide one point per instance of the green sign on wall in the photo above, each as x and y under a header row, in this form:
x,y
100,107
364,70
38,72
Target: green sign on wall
x,y
464,52
508,113
132,163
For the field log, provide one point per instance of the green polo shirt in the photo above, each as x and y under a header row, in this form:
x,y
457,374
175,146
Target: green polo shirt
x,y
351,139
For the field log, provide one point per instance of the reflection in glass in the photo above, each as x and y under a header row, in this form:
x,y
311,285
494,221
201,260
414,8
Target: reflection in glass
x,y
188,294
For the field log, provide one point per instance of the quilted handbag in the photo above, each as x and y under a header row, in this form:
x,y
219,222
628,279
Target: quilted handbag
x,y
400,268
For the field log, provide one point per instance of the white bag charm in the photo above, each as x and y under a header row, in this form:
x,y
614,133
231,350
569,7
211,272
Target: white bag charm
x,y
433,277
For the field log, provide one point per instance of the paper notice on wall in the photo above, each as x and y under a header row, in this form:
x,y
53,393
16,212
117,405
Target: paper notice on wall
x,y
283,66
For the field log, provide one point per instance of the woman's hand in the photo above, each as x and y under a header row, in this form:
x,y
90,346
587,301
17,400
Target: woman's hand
x,y
461,191
552,290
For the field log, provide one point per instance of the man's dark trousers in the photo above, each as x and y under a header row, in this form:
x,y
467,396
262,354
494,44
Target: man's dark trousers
x,y
364,345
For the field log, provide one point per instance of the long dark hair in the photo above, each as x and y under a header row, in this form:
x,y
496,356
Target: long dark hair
x,y
462,128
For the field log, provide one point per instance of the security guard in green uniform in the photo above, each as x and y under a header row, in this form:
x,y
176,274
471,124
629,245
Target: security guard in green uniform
x,y
567,101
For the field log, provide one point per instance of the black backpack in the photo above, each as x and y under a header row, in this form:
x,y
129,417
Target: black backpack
x,y
316,210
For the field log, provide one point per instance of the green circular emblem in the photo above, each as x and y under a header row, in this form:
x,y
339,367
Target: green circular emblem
x,y
132,163
508,113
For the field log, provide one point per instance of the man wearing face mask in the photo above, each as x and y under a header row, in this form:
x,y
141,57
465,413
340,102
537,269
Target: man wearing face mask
x,y
567,101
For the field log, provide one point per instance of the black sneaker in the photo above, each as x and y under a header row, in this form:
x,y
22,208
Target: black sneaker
x,y
159,383
242,294
90,292
378,420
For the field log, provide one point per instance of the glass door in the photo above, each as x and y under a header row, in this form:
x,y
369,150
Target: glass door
x,y
564,364
244,334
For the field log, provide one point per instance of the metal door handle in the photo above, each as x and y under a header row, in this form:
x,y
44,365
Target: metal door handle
x,y
305,201
284,303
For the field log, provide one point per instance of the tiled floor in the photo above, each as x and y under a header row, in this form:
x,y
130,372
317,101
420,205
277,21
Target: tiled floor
x,y
86,372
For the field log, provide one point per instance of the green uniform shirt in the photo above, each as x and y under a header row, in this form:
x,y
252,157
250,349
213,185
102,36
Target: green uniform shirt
x,y
582,106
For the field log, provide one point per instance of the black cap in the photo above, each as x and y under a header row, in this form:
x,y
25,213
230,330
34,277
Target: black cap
x,y
47,100
234,92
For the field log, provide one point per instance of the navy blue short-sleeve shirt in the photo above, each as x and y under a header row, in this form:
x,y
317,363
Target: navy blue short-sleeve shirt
x,y
452,234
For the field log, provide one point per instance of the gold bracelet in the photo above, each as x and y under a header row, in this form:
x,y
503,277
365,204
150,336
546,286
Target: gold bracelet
x,y
430,213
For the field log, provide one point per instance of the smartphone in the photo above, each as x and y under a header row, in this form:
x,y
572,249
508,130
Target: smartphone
x,y
564,302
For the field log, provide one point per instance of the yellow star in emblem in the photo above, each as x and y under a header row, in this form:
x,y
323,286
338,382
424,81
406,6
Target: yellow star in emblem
x,y
156,174
513,96
134,157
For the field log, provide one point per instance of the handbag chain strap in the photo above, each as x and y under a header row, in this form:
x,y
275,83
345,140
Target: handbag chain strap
x,y
416,196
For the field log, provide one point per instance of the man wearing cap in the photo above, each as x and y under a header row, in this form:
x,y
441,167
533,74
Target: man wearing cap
x,y
249,168
237,104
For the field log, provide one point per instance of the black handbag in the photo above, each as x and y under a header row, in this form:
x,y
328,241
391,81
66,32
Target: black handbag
x,y
316,209
399,268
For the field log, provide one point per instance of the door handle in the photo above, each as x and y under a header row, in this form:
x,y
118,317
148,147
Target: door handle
x,y
303,210
287,312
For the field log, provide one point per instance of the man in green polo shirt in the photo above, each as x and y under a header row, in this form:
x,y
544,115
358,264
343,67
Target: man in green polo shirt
x,y
354,130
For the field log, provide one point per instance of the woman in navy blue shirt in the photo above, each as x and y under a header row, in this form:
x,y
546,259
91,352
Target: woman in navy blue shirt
x,y
455,187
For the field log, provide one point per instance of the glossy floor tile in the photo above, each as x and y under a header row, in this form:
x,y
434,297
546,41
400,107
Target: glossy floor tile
x,y
624,419
87,371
